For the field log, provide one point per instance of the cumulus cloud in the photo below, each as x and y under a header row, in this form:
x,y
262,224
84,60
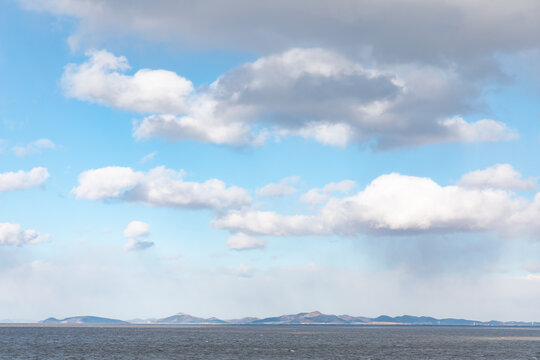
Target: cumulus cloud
x,y
245,242
12,234
136,231
19,180
33,147
158,187
399,204
502,176
106,183
101,80
319,195
312,93
283,188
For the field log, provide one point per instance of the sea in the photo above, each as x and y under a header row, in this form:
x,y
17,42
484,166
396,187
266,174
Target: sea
x,y
267,342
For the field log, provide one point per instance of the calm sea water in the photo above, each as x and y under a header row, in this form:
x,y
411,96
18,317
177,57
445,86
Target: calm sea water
x,y
267,342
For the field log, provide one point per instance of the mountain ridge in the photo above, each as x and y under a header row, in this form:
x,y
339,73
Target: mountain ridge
x,y
305,318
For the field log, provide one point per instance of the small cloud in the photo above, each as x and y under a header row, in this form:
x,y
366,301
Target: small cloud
x,y
319,195
502,176
283,188
135,232
148,157
245,242
12,234
34,147
137,245
11,181
136,229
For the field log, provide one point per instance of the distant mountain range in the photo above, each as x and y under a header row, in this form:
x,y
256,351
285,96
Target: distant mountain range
x,y
314,318
84,320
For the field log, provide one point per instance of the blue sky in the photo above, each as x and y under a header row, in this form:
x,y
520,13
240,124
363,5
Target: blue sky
x,y
246,163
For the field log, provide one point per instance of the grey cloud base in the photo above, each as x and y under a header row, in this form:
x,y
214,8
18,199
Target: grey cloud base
x,y
436,32
311,93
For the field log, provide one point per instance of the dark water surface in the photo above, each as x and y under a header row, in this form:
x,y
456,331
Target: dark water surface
x,y
267,342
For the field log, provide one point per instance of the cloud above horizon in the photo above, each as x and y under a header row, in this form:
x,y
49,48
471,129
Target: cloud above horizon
x,y
12,234
136,232
283,188
312,93
395,204
502,176
33,147
435,32
158,187
11,181
242,241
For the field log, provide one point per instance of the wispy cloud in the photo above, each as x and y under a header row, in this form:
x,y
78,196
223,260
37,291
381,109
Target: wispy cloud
x,y
146,158
283,188
33,147
245,242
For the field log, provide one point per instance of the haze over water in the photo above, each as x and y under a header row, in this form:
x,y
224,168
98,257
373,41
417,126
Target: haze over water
x,y
267,342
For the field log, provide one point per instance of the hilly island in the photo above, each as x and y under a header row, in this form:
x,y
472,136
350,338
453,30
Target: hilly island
x,y
308,318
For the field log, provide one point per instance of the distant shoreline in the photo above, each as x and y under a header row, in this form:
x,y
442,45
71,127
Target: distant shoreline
x,y
186,326
306,318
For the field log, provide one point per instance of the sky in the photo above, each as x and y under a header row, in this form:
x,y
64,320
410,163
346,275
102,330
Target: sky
x,y
246,158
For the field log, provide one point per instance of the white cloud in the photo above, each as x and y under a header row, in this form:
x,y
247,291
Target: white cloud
x,y
33,148
324,132
319,195
399,204
107,182
148,157
100,80
201,125
158,187
283,188
311,93
19,180
136,229
245,242
502,176
12,234
270,223
485,130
